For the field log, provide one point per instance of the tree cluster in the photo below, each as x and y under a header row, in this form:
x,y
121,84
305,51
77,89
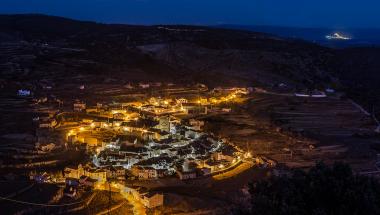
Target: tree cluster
x,y
322,190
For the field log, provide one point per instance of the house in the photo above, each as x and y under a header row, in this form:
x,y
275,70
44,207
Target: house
x,y
152,199
182,101
87,121
196,124
185,175
193,108
90,140
148,173
164,123
92,110
24,92
227,110
79,106
144,85
222,156
73,173
186,171
155,134
115,172
149,199
116,158
203,101
144,172
97,174
94,173
214,165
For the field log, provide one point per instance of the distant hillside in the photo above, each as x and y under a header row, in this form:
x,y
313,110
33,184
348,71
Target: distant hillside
x,y
181,53
360,37
36,47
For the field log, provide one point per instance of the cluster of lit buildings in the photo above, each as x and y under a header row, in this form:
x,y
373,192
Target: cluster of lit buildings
x,y
184,148
143,140
150,139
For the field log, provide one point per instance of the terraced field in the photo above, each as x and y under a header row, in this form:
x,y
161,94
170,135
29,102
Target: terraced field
x,y
337,128
323,116
300,131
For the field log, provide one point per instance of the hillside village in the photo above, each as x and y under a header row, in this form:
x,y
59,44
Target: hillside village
x,y
159,137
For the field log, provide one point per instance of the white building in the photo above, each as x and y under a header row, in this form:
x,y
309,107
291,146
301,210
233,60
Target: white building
x,y
182,100
79,106
144,86
24,92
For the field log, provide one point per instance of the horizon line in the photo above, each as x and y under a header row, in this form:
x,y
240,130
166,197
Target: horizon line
x,y
189,24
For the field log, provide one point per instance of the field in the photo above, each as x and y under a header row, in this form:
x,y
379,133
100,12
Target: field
x,y
298,132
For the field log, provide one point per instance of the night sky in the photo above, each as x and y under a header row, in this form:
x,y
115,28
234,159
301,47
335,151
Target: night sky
x,y
302,13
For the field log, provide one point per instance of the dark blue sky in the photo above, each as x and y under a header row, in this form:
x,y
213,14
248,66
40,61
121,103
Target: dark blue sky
x,y
306,13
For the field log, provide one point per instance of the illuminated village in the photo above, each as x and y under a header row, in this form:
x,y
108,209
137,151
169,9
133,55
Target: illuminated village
x,y
143,140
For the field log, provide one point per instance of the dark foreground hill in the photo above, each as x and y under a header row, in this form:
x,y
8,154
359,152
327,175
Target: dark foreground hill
x,y
35,47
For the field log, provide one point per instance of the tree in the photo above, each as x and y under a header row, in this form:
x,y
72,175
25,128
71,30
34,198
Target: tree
x,y
322,190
